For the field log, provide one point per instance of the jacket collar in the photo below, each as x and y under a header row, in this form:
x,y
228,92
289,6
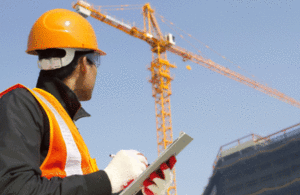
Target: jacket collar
x,y
64,95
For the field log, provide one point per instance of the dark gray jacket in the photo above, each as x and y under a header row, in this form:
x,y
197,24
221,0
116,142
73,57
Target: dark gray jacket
x,y
24,144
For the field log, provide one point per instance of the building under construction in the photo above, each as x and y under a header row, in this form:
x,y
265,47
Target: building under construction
x,y
258,165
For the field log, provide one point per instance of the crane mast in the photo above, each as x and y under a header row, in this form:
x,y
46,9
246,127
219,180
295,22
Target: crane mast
x,y
161,86
160,69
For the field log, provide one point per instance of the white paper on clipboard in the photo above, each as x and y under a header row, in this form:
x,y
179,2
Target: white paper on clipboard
x,y
173,149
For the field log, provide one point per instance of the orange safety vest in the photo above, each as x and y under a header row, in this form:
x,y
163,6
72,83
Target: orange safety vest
x,y
67,155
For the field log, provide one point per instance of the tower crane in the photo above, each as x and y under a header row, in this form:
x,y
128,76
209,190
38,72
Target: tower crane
x,y
160,68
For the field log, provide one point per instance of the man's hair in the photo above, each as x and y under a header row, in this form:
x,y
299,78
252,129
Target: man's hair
x,y
60,73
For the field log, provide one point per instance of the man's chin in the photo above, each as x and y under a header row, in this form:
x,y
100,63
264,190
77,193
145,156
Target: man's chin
x,y
84,95
85,99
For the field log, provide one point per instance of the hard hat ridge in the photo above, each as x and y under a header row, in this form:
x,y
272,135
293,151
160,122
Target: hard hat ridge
x,y
61,28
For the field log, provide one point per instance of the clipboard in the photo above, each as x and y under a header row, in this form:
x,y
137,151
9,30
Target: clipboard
x,y
173,149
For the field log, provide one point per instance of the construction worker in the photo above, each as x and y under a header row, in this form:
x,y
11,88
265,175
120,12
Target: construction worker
x,y
41,150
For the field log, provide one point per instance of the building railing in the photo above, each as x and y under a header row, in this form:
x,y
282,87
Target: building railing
x,y
234,143
281,132
255,138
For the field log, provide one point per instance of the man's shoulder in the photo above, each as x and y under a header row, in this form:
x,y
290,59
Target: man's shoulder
x,y
19,98
17,94
19,102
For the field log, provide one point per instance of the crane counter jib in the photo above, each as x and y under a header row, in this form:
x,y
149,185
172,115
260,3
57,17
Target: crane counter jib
x,y
85,10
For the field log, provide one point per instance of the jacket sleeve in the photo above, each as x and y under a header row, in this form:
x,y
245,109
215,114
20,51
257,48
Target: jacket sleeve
x,y
21,132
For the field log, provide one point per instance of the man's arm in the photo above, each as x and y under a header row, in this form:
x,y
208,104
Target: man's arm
x,y
21,132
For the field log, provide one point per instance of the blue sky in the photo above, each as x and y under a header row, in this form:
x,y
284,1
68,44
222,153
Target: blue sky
x,y
261,37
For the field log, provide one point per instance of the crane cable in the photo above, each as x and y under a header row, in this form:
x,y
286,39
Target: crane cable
x,y
140,5
181,36
120,9
163,19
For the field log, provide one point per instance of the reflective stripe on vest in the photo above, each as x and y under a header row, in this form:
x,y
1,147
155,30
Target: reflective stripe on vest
x,y
73,161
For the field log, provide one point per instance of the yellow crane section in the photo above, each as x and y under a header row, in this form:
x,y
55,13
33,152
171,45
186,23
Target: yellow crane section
x,y
164,45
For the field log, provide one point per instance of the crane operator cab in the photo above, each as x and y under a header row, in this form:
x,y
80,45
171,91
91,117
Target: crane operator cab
x,y
170,38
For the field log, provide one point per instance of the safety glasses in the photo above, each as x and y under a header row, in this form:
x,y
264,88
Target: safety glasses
x,y
93,58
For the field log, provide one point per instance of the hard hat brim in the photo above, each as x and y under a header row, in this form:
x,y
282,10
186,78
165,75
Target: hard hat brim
x,y
33,52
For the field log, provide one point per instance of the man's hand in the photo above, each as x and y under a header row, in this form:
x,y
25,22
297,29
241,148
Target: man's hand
x,y
159,181
125,167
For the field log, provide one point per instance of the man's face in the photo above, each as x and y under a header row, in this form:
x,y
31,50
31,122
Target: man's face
x,y
86,81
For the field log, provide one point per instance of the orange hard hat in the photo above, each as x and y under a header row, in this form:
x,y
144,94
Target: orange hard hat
x,y
61,28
